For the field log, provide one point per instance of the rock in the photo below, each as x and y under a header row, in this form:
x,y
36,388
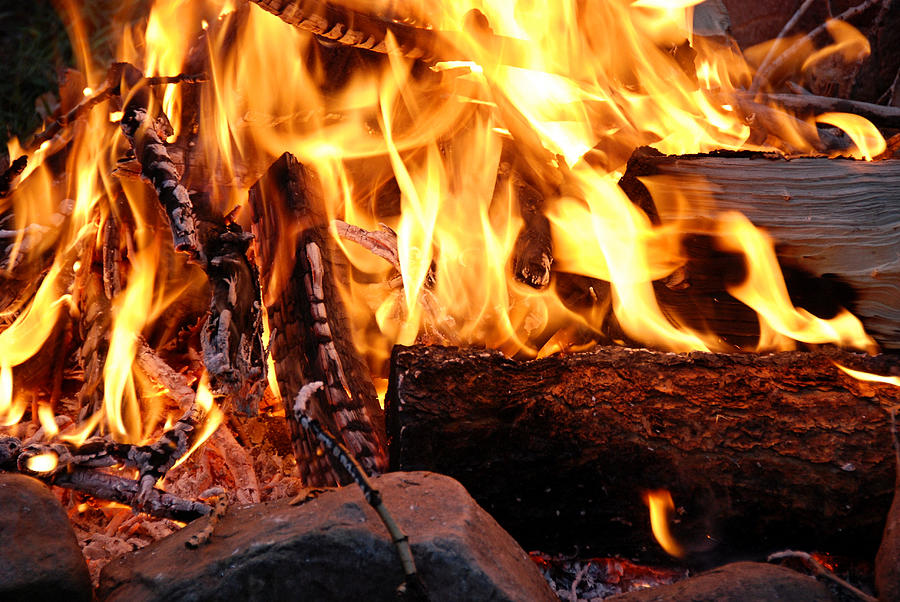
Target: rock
x,y
737,581
334,547
39,554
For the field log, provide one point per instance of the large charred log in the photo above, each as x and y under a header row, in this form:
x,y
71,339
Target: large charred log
x,y
760,452
301,268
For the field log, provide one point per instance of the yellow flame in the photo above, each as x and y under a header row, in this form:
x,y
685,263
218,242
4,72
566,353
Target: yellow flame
x,y
212,416
661,506
868,376
766,292
48,421
11,408
42,463
868,140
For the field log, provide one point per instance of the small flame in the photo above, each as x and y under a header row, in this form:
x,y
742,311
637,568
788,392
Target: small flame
x,y
766,292
42,463
868,140
867,376
661,506
212,416
48,421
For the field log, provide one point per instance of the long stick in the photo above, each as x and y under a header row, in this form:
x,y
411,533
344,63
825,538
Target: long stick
x,y
414,588
880,115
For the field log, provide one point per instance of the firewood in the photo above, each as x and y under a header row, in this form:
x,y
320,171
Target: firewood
x,y
761,452
340,24
833,223
231,338
157,502
311,339
811,104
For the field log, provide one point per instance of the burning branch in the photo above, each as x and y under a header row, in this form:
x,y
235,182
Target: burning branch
x,y
311,337
139,128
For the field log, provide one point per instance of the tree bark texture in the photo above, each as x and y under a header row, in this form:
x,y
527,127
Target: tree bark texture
x,y
759,452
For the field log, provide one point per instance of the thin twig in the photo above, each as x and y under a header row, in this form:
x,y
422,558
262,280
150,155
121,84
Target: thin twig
x,y
781,34
880,115
821,571
763,74
110,88
414,588
218,512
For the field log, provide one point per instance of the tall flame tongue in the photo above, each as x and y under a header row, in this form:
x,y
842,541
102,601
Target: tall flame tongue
x,y
561,92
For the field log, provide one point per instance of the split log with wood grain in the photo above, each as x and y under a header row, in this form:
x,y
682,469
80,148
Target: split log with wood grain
x,y
759,452
835,225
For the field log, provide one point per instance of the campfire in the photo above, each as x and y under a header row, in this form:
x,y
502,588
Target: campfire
x,y
625,270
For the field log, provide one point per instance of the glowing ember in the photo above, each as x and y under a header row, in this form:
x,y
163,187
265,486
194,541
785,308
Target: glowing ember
x,y
42,463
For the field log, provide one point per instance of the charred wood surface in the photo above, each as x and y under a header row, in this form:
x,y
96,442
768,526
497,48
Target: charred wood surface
x,y
760,451
231,339
302,267
835,225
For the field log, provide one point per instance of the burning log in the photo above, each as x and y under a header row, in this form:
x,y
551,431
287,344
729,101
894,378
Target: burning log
x,y
760,452
231,337
310,338
833,223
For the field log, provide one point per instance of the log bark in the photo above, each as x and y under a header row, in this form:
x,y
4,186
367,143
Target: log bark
x,y
311,338
761,452
834,223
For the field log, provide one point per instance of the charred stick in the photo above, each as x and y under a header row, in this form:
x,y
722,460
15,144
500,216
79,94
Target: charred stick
x,y
220,499
381,242
339,24
881,116
110,88
155,502
231,337
820,571
330,445
11,173
139,128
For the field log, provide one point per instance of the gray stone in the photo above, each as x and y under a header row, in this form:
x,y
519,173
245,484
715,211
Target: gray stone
x,y
334,547
738,582
39,554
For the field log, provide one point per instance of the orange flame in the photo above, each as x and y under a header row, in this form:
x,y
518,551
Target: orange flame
x,y
661,506
574,87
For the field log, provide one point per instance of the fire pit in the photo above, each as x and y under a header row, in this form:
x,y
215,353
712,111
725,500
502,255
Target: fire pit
x,y
627,271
